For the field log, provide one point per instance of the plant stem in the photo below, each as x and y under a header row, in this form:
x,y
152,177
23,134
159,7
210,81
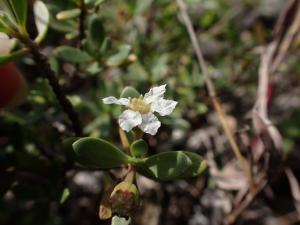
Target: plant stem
x,y
47,72
212,92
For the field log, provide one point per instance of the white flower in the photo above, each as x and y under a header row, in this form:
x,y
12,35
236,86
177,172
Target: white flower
x,y
6,44
141,110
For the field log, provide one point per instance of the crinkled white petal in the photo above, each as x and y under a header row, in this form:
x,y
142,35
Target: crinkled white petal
x,y
163,107
150,123
114,100
155,93
129,119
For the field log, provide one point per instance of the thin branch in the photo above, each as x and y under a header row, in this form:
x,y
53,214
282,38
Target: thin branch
x,y
47,72
287,38
212,91
295,189
189,26
250,196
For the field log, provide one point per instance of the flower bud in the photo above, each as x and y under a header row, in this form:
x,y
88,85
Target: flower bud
x,y
13,86
124,198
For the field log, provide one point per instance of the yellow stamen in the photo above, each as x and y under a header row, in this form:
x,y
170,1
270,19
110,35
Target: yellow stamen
x,y
139,105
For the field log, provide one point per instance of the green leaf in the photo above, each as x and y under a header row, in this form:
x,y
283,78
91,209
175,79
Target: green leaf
x,y
13,56
3,26
120,57
72,55
96,33
164,166
68,14
98,153
198,167
139,148
20,11
116,220
129,92
65,195
7,13
42,19
72,35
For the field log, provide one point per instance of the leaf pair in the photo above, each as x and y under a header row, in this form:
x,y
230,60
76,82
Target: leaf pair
x,y
166,166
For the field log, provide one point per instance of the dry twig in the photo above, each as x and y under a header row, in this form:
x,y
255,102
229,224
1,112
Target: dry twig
x,y
212,92
295,189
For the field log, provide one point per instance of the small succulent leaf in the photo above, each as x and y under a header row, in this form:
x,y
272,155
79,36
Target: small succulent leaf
x,y
12,56
42,19
165,166
68,14
139,148
96,33
120,57
98,153
129,92
198,167
65,195
20,11
72,35
72,55
116,220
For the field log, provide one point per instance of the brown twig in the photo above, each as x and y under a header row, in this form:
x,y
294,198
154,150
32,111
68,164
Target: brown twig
x,y
295,189
212,92
249,197
47,72
287,30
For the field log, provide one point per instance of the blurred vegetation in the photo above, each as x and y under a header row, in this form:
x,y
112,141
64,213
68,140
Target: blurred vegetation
x,y
141,44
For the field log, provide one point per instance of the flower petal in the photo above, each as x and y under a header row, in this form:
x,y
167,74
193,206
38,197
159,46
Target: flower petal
x,y
6,44
150,123
129,119
164,107
155,93
114,100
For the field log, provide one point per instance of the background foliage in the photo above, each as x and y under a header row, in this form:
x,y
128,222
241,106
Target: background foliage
x,y
142,44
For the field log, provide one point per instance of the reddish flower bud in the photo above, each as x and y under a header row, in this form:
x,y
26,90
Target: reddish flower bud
x,y
124,198
12,86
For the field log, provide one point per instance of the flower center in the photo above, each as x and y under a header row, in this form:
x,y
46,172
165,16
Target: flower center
x,y
139,105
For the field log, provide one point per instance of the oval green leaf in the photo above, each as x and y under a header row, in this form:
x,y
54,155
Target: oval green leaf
x,y
198,167
72,55
13,56
129,92
98,153
164,166
119,58
96,33
41,18
139,148
68,14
